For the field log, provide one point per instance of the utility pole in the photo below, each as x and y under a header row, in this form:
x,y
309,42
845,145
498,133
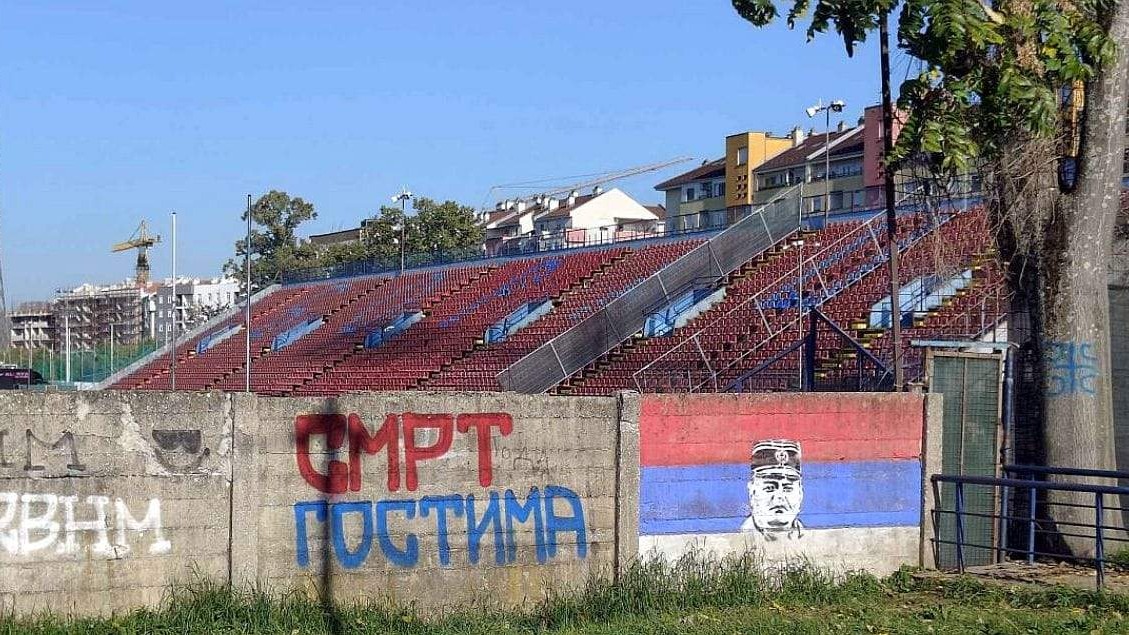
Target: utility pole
x,y
891,212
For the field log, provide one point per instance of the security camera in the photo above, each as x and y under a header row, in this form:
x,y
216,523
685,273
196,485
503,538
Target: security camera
x,y
838,105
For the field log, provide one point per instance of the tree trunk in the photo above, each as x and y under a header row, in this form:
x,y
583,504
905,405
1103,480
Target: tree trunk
x,y
1074,298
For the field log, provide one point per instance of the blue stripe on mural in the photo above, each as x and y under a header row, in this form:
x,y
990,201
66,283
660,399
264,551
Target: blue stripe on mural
x,y
714,498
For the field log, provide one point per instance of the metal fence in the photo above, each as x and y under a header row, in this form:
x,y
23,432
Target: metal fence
x,y
1028,532
525,245
602,331
802,366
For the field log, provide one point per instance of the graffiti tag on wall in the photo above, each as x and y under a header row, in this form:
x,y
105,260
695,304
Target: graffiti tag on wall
x,y
358,531
34,523
1073,368
35,452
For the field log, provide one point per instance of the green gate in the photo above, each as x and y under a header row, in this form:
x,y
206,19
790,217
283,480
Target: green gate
x,y
972,386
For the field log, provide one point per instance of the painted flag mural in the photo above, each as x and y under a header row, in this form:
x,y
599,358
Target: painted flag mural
x,y
830,479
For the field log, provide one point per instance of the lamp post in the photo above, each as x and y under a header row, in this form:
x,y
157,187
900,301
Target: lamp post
x,y
175,310
798,243
67,342
836,105
402,198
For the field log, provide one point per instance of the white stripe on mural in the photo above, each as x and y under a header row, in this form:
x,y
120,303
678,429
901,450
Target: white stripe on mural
x,y
878,550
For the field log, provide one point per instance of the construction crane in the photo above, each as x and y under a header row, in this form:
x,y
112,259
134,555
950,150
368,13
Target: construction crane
x,y
552,187
141,240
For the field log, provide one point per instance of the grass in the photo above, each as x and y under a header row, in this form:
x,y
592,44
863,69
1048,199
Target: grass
x,y
693,597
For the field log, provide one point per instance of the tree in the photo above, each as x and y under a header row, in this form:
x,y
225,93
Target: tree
x,y
435,229
1033,91
276,217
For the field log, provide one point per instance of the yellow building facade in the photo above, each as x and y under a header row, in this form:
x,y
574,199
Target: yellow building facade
x,y
744,152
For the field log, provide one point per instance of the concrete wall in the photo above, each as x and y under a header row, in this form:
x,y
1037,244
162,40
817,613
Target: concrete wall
x,y
832,478
107,498
443,519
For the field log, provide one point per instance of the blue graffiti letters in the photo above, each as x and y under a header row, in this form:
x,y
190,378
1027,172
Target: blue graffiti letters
x,y
540,520
475,530
441,505
555,524
352,559
302,546
409,555
515,510
1073,368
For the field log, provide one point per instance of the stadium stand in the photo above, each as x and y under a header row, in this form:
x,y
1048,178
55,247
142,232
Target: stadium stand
x,y
427,329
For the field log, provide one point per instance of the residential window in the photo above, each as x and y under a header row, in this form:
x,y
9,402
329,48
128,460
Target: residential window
x,y
858,199
774,179
689,194
720,189
836,200
707,190
846,168
742,155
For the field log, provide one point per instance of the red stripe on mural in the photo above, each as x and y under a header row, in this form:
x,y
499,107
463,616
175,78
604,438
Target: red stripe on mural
x,y
705,429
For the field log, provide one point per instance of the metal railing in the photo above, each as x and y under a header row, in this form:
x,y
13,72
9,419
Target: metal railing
x,y
625,315
531,244
1023,526
654,376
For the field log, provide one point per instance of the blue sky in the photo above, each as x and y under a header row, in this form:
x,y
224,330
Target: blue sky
x,y
131,110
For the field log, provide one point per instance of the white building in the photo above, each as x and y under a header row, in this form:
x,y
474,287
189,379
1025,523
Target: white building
x,y
522,226
197,299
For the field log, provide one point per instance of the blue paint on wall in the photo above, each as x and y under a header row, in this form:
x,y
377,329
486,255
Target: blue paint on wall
x,y
409,555
1074,366
352,559
714,498
350,526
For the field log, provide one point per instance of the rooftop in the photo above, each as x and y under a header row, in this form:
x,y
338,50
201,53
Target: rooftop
x,y
845,142
708,170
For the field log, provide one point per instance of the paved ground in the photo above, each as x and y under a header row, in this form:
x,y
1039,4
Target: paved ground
x,y
1041,573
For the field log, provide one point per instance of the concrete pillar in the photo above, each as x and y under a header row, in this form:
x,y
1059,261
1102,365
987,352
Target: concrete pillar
x,y
930,464
627,481
245,495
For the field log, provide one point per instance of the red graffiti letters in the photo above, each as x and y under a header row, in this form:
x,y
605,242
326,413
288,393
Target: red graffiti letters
x,y
413,453
482,423
341,477
333,427
360,440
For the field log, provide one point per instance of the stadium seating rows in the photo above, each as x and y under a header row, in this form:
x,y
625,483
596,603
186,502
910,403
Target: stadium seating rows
x,y
446,349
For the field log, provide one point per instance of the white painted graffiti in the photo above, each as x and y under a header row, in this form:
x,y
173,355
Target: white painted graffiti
x,y
32,523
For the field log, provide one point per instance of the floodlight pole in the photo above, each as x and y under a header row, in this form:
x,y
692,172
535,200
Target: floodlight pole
x,y
67,341
891,212
826,164
175,311
837,105
799,244
247,300
403,197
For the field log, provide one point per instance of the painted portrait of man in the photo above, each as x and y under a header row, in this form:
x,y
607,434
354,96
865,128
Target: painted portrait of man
x,y
776,490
